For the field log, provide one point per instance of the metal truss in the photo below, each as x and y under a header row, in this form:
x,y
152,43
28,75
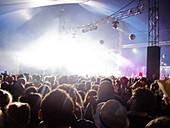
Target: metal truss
x,y
109,19
143,44
153,22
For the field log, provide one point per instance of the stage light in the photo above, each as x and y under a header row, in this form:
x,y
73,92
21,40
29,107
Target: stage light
x,y
132,36
95,27
89,28
164,56
101,42
83,31
134,50
115,24
52,53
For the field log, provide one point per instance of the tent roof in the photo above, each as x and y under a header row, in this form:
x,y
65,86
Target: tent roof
x,y
23,22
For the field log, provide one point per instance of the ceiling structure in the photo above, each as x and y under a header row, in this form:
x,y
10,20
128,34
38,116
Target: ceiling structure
x,y
25,22
20,17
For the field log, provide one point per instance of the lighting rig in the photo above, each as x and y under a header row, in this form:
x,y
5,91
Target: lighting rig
x,y
114,19
144,44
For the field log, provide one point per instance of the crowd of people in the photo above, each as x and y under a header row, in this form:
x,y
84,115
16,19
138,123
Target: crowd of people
x,y
72,101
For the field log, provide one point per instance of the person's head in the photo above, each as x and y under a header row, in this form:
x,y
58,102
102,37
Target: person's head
x,y
106,79
111,114
54,86
160,122
70,89
44,90
20,82
164,85
143,80
80,86
88,85
93,79
14,76
124,81
95,87
82,94
106,91
29,84
9,79
34,100
90,93
154,76
57,109
6,72
27,76
51,79
18,115
98,80
38,77
5,99
34,77
73,93
142,100
63,80
5,85
96,116
30,90
20,76
154,87
47,83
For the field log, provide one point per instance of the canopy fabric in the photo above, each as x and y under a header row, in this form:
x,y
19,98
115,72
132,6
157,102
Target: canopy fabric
x,y
23,23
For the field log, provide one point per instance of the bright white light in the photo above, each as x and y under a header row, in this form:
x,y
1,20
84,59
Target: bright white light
x,y
25,14
84,56
38,3
97,6
134,50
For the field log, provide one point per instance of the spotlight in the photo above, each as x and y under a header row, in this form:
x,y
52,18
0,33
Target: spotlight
x,y
130,11
101,42
134,50
115,24
132,36
83,31
94,27
89,28
164,56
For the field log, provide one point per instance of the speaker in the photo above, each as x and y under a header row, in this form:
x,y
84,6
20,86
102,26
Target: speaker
x,y
153,62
